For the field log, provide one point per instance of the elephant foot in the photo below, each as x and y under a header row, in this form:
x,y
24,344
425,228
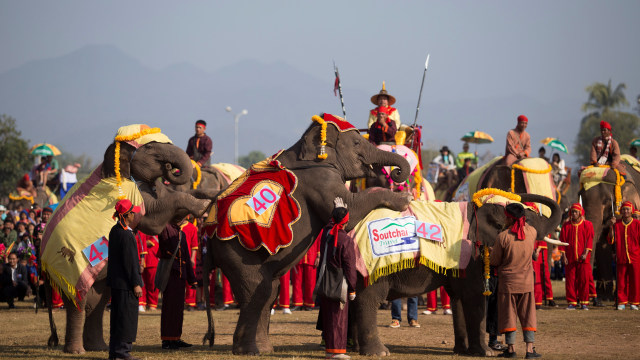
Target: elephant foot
x,y
252,349
460,350
73,349
375,350
480,350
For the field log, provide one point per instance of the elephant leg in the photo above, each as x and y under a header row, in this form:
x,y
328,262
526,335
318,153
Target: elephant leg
x,y
251,335
459,326
366,307
474,310
96,301
73,334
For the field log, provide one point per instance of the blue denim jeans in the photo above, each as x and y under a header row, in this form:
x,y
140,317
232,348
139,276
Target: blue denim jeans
x,y
412,309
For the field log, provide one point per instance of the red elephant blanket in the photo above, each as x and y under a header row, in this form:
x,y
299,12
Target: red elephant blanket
x,y
258,207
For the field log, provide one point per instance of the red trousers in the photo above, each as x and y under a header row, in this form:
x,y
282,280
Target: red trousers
x,y
56,300
578,276
283,299
542,286
303,281
149,291
592,286
190,293
432,301
628,276
227,294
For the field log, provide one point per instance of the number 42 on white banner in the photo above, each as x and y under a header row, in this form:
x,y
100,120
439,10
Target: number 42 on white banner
x,y
429,231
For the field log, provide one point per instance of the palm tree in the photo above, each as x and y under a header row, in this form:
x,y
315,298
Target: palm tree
x,y
602,98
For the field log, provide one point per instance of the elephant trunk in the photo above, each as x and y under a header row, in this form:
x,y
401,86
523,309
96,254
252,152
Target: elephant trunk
x,y
401,171
155,160
556,213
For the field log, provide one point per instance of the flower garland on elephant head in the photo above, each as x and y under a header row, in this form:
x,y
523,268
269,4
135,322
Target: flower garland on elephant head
x,y
323,136
116,163
21,197
198,176
485,253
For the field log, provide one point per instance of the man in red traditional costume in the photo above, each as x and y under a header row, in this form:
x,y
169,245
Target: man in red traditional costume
x,y
578,233
518,142
384,129
605,150
149,292
542,288
191,233
303,278
383,101
625,234
512,254
432,302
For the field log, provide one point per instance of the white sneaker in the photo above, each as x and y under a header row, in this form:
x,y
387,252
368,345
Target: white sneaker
x,y
273,311
141,308
427,312
286,311
634,307
621,307
448,312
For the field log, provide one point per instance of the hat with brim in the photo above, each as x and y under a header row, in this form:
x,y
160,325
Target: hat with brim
x,y
125,206
374,98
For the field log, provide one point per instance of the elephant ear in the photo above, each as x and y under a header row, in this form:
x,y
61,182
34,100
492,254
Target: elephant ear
x,y
108,169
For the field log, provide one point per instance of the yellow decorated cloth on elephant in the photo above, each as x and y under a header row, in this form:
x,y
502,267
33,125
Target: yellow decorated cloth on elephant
x,y
138,135
593,175
79,221
470,184
230,171
538,179
633,162
258,208
432,234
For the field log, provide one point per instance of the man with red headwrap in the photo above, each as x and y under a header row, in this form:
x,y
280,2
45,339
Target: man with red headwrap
x,y
625,233
512,254
605,150
578,233
518,142
200,145
383,130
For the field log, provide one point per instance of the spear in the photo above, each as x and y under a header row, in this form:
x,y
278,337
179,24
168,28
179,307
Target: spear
x,y
424,74
338,86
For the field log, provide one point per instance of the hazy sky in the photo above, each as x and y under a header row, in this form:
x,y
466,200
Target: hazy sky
x,y
546,50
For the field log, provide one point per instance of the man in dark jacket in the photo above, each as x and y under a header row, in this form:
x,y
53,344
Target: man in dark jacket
x,y
19,276
341,254
200,145
123,276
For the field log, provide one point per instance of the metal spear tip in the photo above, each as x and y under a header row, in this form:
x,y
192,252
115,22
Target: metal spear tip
x,y
228,108
426,63
244,112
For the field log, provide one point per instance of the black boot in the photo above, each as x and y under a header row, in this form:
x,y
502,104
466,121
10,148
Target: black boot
x,y
532,355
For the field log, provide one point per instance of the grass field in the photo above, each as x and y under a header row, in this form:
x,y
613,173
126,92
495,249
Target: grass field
x,y
600,333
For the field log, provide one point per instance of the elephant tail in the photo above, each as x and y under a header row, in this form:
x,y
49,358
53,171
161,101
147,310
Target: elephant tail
x,y
208,266
53,338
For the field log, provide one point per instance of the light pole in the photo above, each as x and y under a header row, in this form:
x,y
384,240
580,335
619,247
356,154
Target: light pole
x,y
236,117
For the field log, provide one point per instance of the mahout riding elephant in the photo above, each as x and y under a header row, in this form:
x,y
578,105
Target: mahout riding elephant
x,y
466,291
146,162
254,275
598,202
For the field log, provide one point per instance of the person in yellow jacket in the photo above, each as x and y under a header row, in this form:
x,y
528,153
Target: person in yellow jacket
x,y
383,100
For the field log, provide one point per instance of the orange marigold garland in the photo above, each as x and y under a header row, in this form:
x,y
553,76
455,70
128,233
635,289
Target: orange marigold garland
x,y
21,197
198,172
491,191
116,161
487,269
323,136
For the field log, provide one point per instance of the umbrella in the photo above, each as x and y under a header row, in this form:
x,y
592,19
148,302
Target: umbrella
x,y
555,144
477,137
45,149
635,142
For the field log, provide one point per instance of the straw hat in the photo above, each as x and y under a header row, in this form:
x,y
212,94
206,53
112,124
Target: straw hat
x,y
374,98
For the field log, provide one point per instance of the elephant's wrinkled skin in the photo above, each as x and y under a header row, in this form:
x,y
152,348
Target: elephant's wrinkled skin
x,y
467,300
254,274
146,165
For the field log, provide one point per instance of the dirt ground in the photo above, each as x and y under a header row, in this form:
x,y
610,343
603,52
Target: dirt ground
x,y
600,333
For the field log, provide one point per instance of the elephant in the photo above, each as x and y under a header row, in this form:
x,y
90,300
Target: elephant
x,y
466,292
213,179
597,202
254,275
148,164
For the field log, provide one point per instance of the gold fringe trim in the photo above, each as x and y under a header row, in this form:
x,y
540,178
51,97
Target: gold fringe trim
x,y
409,264
71,289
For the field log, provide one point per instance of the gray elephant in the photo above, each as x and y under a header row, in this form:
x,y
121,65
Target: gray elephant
x,y
254,275
148,163
466,292
212,179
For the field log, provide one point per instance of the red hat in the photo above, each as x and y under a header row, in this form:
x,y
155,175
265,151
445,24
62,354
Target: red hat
x,y
578,207
523,118
605,125
124,206
627,204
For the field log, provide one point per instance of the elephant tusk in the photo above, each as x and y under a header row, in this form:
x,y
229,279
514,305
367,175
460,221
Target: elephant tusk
x,y
555,242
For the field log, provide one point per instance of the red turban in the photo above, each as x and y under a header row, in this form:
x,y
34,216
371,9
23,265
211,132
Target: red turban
x,y
627,204
605,125
384,109
523,118
578,207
